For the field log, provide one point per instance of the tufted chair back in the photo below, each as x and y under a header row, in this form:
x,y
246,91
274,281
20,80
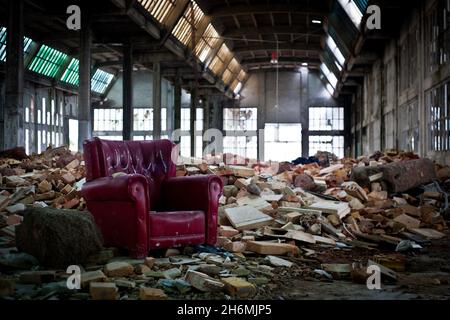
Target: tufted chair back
x,y
153,159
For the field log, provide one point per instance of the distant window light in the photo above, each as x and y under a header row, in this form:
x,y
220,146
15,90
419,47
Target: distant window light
x,y
315,21
326,118
282,141
334,144
108,119
239,119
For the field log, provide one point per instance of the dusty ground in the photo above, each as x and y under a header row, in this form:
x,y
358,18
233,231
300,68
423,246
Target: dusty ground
x,y
426,276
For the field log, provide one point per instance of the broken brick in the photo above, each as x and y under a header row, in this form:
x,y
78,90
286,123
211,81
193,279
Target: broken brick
x,y
103,290
118,269
152,294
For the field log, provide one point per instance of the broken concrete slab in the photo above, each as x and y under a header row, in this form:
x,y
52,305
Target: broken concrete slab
x,y
272,248
407,221
247,218
278,262
203,282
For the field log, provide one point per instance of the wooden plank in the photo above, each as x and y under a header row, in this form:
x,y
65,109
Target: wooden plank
x,y
247,217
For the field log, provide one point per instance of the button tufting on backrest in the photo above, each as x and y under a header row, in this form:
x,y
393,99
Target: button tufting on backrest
x,y
149,158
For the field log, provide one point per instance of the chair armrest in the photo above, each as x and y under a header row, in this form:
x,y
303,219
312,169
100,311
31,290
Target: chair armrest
x,y
120,209
191,193
195,193
130,187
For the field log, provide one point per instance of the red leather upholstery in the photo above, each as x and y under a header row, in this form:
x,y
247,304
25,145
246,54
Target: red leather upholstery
x,y
148,207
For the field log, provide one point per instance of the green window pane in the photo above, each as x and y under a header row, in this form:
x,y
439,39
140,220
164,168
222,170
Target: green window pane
x,y
71,74
47,61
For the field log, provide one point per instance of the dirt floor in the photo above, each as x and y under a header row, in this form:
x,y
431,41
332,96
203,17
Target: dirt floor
x,y
426,276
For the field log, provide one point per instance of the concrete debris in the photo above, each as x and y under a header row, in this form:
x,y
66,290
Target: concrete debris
x,y
308,220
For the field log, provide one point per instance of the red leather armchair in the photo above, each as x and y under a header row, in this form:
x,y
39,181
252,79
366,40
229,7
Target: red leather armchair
x,y
148,207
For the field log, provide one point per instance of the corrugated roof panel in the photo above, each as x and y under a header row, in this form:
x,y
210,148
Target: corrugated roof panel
x,y
47,61
71,74
159,9
100,81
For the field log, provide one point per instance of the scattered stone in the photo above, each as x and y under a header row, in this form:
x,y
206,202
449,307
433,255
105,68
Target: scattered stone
x,y
203,282
103,290
149,262
152,294
92,276
279,262
118,269
239,287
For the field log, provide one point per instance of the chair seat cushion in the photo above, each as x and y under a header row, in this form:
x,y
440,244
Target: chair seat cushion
x,y
176,223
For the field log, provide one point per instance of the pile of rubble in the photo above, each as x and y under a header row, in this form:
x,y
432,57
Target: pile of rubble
x,y
277,222
53,178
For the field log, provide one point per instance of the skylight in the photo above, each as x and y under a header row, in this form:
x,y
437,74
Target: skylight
x,y
207,42
190,20
47,61
100,81
336,51
352,11
71,74
26,44
159,9
331,77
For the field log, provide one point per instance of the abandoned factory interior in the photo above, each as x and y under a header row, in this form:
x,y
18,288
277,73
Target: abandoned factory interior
x,y
224,150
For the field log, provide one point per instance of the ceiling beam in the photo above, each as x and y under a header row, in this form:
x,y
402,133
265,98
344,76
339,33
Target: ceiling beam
x,y
269,46
299,60
224,11
298,30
